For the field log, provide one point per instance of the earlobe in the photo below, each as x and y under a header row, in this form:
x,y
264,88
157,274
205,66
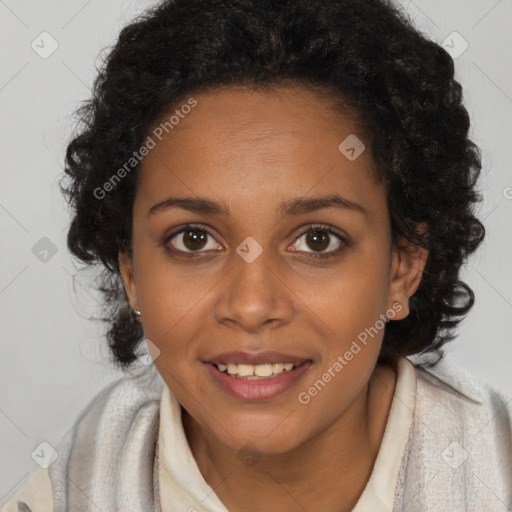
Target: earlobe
x,y
407,271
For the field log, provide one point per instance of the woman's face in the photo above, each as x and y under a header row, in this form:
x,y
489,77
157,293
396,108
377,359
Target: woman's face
x,y
290,252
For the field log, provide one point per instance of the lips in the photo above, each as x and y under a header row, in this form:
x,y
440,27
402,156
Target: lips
x,y
266,388
255,376
256,358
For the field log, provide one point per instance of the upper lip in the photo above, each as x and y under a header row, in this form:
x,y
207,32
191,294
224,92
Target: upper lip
x,y
255,358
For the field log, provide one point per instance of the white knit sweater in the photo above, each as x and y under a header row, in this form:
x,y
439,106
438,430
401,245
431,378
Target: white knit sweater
x,y
447,446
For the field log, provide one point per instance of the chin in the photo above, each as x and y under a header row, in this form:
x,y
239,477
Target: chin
x,y
263,439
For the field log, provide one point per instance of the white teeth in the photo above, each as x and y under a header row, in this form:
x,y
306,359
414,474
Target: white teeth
x,y
232,369
245,370
255,371
263,370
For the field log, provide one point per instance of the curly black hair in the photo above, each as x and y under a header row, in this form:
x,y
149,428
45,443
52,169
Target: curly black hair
x,y
365,55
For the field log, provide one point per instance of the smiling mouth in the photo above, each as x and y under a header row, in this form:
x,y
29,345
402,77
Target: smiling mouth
x,y
257,372
257,382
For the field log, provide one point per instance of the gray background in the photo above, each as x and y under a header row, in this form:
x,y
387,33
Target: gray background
x,y
53,359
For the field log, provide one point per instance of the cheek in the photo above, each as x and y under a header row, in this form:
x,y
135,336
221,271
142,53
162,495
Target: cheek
x,y
170,288
354,296
352,306
173,308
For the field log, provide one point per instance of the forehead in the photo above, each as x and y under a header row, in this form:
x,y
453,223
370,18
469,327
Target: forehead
x,y
258,145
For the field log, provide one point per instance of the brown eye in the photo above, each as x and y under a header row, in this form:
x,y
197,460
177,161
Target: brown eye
x,y
191,239
195,239
318,240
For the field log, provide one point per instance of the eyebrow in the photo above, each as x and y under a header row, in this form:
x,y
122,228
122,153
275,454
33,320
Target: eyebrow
x,y
295,206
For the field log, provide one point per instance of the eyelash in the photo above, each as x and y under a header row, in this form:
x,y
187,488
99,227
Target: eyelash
x,y
188,255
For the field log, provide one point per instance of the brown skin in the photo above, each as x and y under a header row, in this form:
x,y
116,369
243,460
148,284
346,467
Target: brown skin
x,y
252,150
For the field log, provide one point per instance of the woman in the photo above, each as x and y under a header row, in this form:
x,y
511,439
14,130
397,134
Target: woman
x,y
282,195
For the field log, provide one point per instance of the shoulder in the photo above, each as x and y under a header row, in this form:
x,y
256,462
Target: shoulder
x,y
112,441
460,446
449,382
459,400
36,495
108,423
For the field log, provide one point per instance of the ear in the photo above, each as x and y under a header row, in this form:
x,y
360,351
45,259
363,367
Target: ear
x,y
128,278
408,263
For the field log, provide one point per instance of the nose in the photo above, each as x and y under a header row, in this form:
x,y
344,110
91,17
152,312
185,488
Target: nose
x,y
253,296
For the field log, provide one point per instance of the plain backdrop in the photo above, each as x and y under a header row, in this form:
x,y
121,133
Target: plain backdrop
x,y
53,359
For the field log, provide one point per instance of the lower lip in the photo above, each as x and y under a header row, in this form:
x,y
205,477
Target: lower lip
x,y
258,389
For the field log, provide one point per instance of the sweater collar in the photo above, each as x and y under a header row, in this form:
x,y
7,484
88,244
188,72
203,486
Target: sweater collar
x,y
452,377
